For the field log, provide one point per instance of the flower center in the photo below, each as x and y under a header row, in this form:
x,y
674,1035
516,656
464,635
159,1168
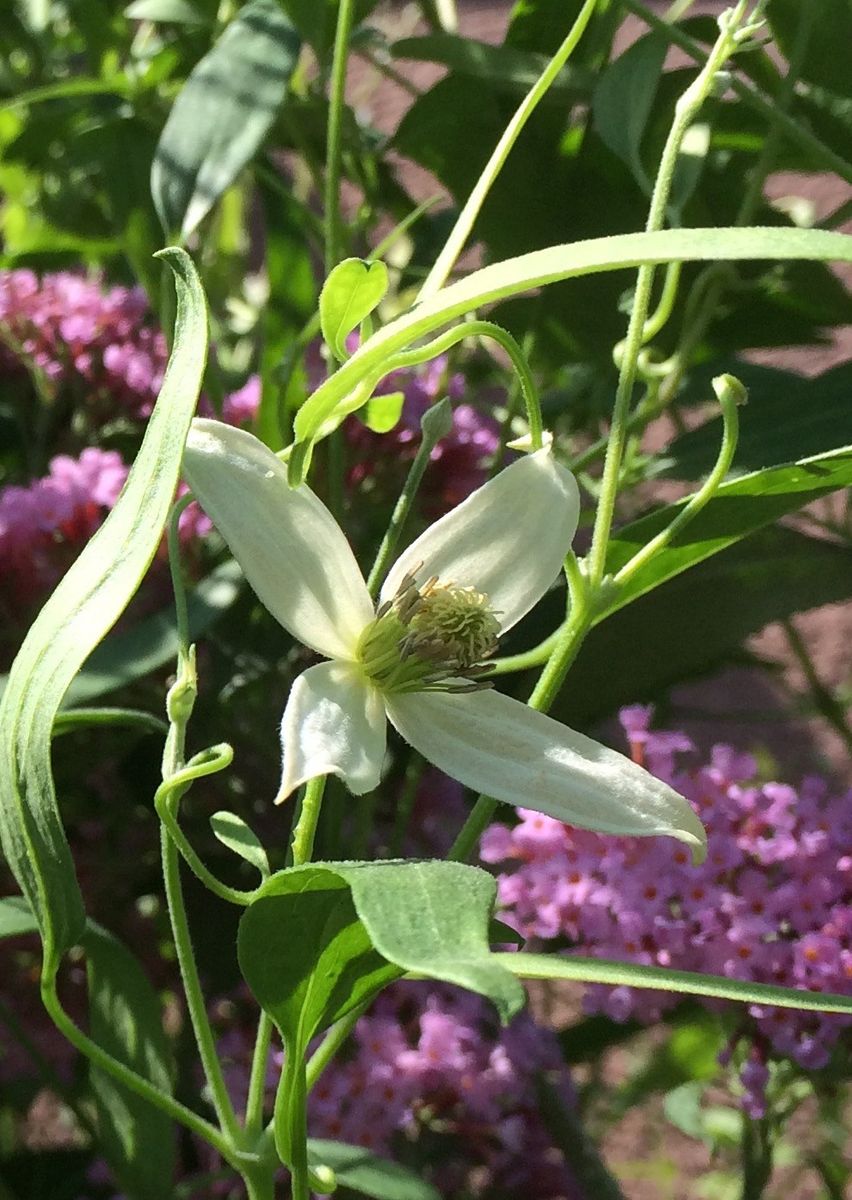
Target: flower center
x,y
435,637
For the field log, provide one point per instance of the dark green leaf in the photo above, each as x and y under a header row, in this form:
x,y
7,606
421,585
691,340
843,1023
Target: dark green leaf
x,y
786,418
830,116
698,620
541,25
826,59
306,955
57,1174
222,114
587,1039
356,1168
85,605
738,509
125,1020
506,68
624,98
316,20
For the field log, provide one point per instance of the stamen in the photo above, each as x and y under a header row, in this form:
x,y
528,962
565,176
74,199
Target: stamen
x,y
431,637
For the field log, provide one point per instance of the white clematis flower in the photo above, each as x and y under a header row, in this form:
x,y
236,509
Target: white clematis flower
x,y
418,659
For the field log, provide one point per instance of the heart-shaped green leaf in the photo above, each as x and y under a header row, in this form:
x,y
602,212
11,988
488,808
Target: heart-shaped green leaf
x,y
349,295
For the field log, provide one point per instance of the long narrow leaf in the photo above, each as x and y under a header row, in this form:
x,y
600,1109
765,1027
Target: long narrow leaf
x,y
688,983
738,509
83,608
555,263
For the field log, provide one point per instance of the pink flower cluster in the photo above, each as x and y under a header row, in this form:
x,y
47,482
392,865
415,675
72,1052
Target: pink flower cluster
x,y
43,526
430,1061
77,334
771,903
431,1058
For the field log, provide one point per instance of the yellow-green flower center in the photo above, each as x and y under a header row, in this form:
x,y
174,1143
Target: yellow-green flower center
x,y
435,637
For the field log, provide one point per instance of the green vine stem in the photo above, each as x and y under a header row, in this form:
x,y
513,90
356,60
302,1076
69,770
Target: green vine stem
x,y
446,260
730,393
128,1078
167,801
331,1043
504,339
257,1077
732,31
291,1121
708,289
179,704
437,423
334,135
766,107
304,834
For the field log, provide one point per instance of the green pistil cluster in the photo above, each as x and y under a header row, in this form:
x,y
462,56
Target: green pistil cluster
x,y
432,638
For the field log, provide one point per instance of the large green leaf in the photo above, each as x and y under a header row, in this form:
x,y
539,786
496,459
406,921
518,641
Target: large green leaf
x,y
125,1019
738,509
542,267
83,608
643,649
432,918
319,940
787,418
363,1172
222,114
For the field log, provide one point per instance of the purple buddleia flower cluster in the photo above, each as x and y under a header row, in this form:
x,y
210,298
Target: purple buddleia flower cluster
x,y
431,1060
78,334
771,904
429,1067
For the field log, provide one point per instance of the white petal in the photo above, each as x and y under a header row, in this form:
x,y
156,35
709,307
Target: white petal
x,y
288,544
508,539
498,746
334,724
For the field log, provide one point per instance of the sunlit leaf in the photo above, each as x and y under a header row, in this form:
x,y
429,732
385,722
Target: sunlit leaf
x,y
83,608
351,292
222,114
